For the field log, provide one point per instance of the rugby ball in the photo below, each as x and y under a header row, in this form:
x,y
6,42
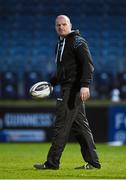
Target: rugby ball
x,y
41,89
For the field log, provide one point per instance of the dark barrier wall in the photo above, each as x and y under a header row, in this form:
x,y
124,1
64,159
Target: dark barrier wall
x,y
98,120
35,124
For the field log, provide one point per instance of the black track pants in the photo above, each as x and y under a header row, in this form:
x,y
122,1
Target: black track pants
x,y
71,114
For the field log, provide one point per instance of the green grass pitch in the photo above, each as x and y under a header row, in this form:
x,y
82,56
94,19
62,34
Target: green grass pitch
x,y
16,162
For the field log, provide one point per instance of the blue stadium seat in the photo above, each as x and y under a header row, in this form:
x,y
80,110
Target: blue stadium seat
x,y
103,84
9,85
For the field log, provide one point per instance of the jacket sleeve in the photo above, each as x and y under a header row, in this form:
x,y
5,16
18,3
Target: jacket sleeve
x,y
53,80
85,60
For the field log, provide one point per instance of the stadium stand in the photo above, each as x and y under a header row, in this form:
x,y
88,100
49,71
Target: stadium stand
x,y
104,84
9,85
27,36
122,84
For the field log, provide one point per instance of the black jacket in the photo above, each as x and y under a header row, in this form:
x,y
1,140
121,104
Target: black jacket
x,y
75,67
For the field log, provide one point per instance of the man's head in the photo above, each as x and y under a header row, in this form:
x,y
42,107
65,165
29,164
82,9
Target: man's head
x,y
63,25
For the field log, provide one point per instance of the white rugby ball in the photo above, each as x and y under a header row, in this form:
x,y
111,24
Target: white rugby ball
x,y
41,89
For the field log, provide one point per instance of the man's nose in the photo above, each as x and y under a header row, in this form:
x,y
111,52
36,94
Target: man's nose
x,y
61,26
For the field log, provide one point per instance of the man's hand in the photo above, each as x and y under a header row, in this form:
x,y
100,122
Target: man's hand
x,y
84,93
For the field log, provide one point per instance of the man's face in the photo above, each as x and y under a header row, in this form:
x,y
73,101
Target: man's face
x,y
63,26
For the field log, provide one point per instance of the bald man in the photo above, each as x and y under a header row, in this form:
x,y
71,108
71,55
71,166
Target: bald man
x,y
74,74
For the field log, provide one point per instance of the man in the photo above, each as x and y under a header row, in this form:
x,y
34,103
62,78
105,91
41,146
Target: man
x,y
74,74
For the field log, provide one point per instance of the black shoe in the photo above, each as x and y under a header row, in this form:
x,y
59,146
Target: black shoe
x,y
43,167
87,167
